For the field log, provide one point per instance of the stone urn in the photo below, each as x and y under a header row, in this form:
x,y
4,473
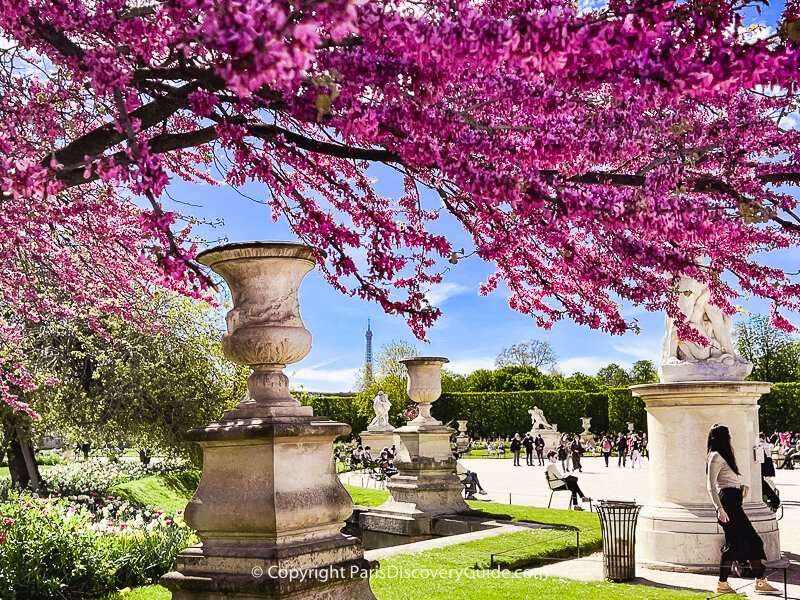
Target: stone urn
x,y
265,331
462,439
630,427
269,499
586,423
424,385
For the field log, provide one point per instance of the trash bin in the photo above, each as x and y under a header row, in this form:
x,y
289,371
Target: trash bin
x,y
618,525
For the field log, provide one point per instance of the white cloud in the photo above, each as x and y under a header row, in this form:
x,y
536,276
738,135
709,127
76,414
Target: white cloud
x,y
439,293
466,366
588,365
323,380
645,349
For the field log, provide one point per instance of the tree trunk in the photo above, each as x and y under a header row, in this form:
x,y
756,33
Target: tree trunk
x,y
21,463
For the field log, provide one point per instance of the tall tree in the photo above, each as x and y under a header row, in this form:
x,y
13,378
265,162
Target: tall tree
x,y
590,155
643,371
614,376
775,354
533,353
142,388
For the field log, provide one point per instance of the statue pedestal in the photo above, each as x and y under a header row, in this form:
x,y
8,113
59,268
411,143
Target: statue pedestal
x,y
551,438
425,486
377,441
270,507
678,528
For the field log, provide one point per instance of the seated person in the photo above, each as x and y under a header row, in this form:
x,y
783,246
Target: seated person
x,y
791,454
356,457
570,481
490,448
470,481
367,457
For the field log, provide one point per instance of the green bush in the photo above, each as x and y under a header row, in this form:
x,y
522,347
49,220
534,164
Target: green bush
x,y
55,548
624,408
780,409
356,411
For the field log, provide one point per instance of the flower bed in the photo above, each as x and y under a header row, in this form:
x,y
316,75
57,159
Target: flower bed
x,y
83,547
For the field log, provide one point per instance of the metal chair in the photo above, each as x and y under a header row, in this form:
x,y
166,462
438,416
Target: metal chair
x,y
556,485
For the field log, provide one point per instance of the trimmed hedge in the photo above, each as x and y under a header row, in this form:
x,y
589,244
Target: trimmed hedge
x,y
354,410
506,413
492,414
624,408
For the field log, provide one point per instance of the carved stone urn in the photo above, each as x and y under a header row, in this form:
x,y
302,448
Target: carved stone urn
x,y
424,385
462,439
269,505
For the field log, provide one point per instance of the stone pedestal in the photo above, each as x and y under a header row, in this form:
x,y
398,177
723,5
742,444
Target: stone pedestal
x,y
377,441
678,528
426,485
551,438
269,508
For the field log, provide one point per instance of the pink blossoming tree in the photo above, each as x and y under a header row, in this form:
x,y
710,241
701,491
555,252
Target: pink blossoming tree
x,y
592,156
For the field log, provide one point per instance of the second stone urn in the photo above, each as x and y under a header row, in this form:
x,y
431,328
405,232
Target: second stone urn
x,y
269,508
426,485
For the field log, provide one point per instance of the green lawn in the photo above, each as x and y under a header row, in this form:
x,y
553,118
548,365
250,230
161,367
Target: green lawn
x,y
169,491
462,571
4,472
367,497
151,592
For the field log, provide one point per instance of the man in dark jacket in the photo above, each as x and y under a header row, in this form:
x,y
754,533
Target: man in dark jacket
x,y
538,444
622,449
516,447
527,442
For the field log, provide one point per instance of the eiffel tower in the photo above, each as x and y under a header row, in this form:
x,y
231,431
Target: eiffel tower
x,y
368,377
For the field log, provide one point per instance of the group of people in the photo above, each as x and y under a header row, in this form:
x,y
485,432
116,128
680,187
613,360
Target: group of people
x,y
531,444
362,457
631,445
786,445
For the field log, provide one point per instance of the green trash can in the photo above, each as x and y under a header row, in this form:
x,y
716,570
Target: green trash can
x,y
618,525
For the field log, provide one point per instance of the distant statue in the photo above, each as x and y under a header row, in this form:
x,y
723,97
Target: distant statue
x,y
538,420
381,405
685,360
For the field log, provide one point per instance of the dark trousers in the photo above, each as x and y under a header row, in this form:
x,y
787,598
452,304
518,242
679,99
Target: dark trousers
x,y
576,462
540,457
606,456
516,458
572,485
623,457
742,541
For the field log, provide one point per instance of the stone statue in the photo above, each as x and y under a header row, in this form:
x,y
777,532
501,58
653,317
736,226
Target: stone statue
x,y
684,360
381,405
538,420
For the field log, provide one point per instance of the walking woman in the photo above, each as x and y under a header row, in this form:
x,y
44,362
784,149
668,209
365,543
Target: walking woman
x,y
605,448
742,542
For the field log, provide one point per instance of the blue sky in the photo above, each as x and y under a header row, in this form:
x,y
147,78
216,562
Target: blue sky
x,y
472,330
